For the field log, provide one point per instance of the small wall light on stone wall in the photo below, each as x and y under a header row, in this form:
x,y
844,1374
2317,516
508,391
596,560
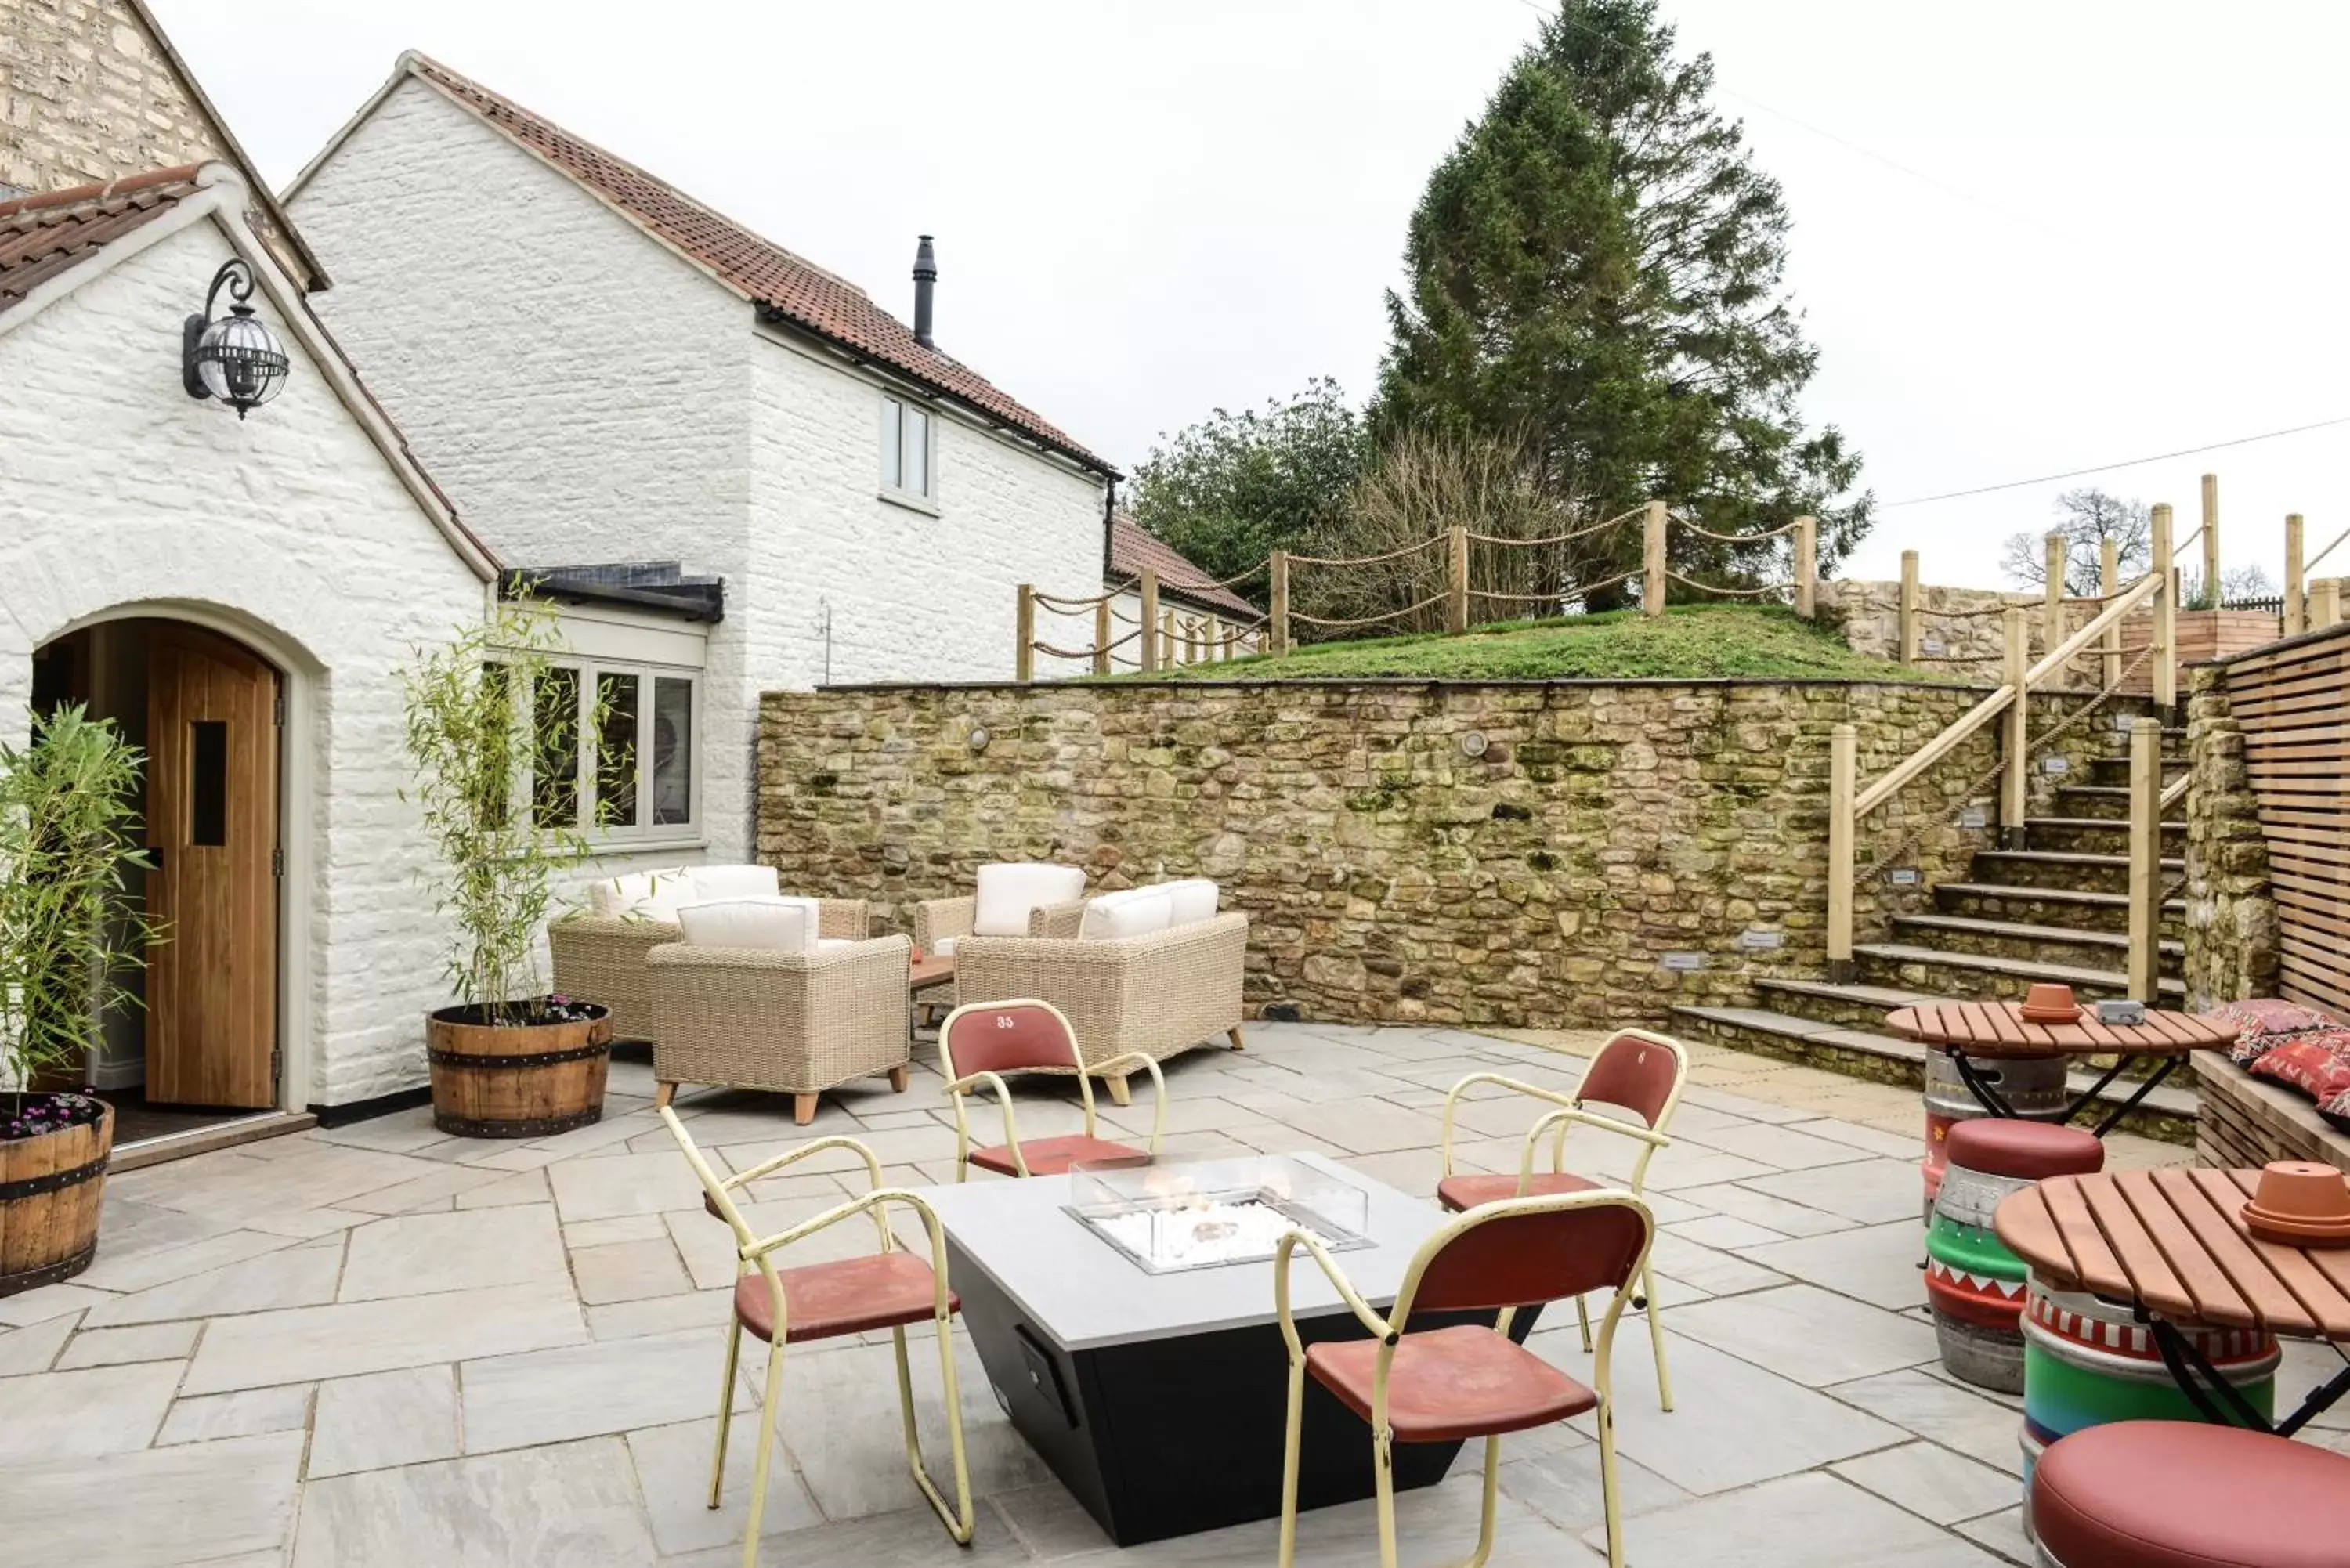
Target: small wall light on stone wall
x,y
235,358
979,738
1472,744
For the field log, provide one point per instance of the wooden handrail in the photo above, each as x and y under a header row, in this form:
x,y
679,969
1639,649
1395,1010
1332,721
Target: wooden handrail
x,y
2173,792
1992,706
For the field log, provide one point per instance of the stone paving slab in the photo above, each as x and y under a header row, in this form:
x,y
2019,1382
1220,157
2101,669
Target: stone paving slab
x,y
376,1345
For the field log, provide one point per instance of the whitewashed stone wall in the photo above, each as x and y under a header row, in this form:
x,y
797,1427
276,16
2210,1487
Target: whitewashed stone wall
x,y
116,488
587,396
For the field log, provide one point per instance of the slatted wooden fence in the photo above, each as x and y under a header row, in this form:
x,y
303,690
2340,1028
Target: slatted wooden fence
x,y
2294,705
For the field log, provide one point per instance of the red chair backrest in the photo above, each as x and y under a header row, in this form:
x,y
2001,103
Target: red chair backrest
x,y
1635,1073
1519,1259
1008,1038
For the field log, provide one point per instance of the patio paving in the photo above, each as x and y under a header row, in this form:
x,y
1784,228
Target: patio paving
x,y
377,1345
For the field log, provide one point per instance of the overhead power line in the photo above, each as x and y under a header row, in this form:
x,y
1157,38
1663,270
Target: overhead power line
x,y
2108,467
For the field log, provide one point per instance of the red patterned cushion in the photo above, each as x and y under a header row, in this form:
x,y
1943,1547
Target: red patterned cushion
x,y
2317,1065
2265,1023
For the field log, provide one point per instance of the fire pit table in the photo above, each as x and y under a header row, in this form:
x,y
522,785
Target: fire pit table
x,y
1124,1317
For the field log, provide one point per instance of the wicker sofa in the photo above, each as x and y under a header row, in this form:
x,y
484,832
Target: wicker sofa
x,y
1161,995
788,1022
598,953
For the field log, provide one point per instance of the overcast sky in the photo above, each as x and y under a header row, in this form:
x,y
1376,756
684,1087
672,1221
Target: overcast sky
x,y
2117,229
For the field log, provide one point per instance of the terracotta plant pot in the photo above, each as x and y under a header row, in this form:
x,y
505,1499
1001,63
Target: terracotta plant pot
x,y
2302,1204
50,1188
2051,1005
526,1080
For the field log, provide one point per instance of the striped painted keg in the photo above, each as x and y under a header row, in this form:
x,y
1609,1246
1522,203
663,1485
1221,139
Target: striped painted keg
x,y
2034,1085
2088,1361
1973,1284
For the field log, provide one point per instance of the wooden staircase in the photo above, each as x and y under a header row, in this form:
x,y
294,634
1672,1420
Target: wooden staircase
x,y
2055,909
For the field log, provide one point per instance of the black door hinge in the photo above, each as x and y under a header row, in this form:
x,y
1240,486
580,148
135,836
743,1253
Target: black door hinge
x,y
277,863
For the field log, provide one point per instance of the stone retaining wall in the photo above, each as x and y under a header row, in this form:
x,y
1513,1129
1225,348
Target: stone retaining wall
x,y
1529,853
2232,920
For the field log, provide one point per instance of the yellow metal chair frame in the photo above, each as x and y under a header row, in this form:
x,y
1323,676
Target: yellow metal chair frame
x,y
1388,1331
1570,1111
753,1252
959,1088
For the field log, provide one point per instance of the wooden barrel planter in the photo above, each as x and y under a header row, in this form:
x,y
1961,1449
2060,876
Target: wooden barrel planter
x,y
50,1188
521,1081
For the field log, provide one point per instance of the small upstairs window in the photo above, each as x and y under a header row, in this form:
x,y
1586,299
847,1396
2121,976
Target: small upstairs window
x,y
906,453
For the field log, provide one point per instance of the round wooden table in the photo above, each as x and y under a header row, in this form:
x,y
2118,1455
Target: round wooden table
x,y
1996,1029
2172,1246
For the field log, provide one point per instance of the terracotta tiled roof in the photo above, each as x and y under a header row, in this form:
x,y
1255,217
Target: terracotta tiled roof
x,y
1133,547
763,272
42,235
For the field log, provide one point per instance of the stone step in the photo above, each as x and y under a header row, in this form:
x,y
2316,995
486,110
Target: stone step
x,y
2078,908
2061,869
1851,1005
2169,1112
2092,834
1976,977
2115,770
2029,940
2105,803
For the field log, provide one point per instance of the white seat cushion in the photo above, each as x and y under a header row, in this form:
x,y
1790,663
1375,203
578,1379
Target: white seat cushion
x,y
1136,912
1194,898
945,947
618,896
772,925
1009,890
718,883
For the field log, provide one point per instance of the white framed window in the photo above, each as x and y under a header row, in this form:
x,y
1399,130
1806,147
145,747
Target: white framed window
x,y
909,451
638,777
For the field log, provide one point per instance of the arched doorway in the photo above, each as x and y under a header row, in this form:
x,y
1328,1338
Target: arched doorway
x,y
208,710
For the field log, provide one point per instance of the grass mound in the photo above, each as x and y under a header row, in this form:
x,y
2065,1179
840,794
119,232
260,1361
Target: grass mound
x,y
1691,642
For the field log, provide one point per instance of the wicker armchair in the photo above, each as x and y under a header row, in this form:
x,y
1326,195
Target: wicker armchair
x,y
601,958
788,1022
1159,994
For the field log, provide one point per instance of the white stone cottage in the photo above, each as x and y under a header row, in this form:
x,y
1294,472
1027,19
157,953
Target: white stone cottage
x,y
609,374
239,594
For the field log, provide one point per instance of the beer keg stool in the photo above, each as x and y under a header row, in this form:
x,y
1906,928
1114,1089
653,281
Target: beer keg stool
x,y
2088,1361
1973,1284
2034,1085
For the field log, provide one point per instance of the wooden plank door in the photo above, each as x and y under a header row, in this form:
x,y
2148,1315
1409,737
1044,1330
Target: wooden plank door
x,y
212,822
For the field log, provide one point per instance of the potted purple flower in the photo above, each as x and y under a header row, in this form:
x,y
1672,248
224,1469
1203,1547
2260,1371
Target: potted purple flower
x,y
68,806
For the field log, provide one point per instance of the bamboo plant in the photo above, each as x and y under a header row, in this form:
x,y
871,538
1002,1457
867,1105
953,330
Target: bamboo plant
x,y
69,938
494,729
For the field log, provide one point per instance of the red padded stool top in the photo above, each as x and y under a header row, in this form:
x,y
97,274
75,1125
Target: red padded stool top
x,y
2181,1494
1999,1146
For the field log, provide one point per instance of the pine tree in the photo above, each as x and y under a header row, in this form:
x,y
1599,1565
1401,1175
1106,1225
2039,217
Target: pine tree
x,y
1596,276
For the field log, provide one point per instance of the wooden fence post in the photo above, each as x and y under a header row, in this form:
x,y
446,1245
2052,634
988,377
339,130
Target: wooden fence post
x,y
1101,636
1456,580
1908,606
2052,616
1807,565
2326,605
2109,583
1844,757
1149,641
2014,776
2166,615
1023,623
2211,538
1215,640
2295,612
1277,622
1652,560
1172,651
2145,858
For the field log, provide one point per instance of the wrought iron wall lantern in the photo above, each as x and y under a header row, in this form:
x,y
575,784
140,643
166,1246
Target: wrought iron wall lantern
x,y
235,358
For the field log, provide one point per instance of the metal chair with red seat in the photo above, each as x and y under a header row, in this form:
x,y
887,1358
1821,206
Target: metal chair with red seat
x,y
1636,1071
2183,1494
1449,1385
982,1041
889,1288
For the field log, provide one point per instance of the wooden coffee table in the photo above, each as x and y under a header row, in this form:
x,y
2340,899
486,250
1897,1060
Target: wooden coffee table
x,y
929,972
2172,1244
1994,1030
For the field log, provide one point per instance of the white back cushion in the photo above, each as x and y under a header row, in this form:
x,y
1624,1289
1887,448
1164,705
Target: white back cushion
x,y
1009,890
771,924
1136,912
809,912
712,883
616,896
1194,898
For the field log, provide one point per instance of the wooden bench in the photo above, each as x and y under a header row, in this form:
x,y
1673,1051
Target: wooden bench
x,y
2248,1121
